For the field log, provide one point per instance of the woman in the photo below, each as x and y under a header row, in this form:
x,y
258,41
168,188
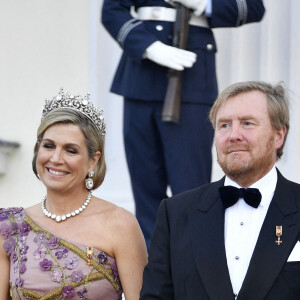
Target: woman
x,y
74,245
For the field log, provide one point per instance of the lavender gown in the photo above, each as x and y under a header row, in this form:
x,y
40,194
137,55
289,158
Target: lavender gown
x,y
45,266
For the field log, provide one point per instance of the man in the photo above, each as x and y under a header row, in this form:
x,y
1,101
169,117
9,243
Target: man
x,y
163,154
209,244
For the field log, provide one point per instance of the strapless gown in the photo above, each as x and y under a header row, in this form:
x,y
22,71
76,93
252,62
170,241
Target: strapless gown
x,y
46,266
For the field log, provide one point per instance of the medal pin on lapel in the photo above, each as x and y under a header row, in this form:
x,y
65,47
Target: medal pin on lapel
x,y
278,234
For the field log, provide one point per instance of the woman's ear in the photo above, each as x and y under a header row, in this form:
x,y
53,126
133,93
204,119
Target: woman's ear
x,y
95,159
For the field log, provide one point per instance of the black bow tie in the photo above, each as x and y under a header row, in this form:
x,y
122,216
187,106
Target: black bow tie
x,y
230,195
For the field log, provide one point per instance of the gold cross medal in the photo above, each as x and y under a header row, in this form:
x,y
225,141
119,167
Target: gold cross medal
x,y
278,234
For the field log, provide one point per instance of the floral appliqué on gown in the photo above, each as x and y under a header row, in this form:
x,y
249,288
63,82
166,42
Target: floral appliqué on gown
x,y
45,266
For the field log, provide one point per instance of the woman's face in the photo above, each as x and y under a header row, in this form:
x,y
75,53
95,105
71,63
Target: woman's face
x,y
62,160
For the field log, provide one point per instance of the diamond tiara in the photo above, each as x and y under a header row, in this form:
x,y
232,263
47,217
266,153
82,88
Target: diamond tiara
x,y
78,103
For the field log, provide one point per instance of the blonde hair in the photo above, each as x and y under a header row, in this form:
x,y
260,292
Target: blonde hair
x,y
277,103
94,141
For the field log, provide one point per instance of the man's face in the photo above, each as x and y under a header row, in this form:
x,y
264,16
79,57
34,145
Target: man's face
x,y
246,142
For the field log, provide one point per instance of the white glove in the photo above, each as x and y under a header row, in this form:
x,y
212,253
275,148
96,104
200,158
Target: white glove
x,y
169,56
197,5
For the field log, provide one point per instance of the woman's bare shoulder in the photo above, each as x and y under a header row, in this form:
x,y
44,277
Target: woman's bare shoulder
x,y
117,216
119,226
34,208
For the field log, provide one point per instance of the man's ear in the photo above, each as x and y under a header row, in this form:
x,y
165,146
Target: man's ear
x,y
280,134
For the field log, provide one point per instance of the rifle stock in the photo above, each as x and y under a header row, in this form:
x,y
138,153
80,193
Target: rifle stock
x,y
171,107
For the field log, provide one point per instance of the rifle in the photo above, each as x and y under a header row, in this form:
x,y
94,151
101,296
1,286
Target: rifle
x,y
171,107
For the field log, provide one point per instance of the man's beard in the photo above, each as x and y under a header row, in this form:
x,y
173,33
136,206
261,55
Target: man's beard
x,y
252,167
236,167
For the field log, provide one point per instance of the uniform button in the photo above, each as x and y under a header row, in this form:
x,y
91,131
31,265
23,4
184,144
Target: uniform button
x,y
242,223
209,46
237,258
159,27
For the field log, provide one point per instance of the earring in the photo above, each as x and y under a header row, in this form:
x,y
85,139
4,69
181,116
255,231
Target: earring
x,y
89,182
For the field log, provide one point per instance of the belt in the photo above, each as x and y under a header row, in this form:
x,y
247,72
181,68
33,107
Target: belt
x,y
159,13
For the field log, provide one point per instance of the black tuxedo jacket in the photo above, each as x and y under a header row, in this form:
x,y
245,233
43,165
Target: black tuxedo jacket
x,y
187,258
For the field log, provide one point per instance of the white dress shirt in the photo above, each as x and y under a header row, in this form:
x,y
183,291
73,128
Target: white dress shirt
x,y
242,227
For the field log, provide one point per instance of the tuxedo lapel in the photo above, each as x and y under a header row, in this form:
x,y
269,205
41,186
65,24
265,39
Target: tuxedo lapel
x,y
206,229
268,257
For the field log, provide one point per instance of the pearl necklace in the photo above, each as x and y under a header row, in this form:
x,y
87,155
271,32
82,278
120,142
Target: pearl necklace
x,y
71,214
